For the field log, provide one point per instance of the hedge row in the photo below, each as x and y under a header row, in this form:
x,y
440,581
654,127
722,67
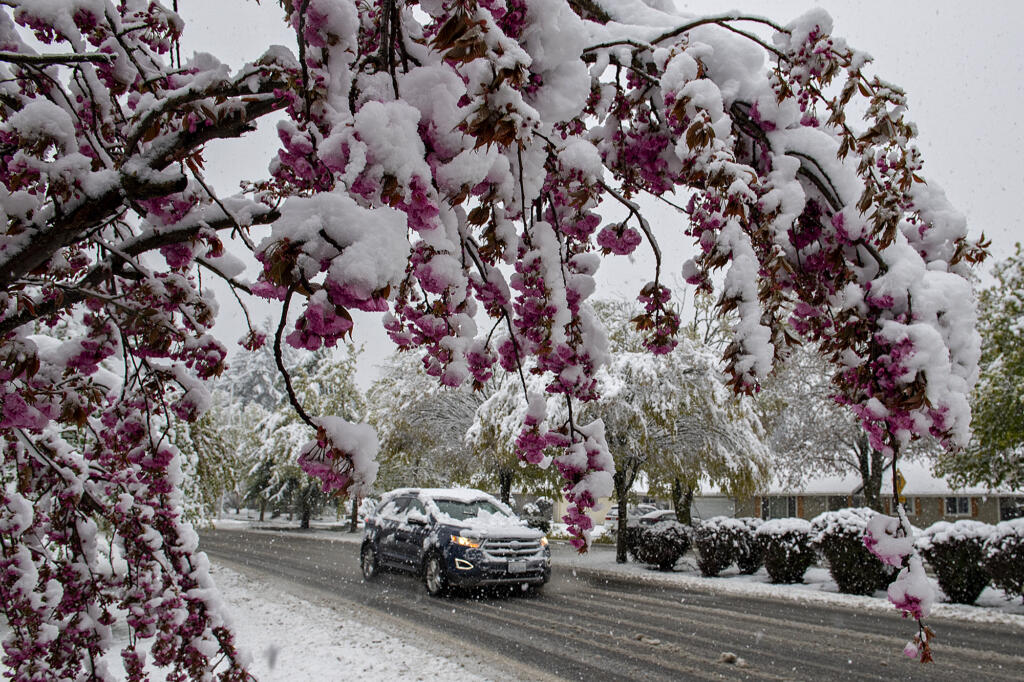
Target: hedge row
x,y
662,544
965,555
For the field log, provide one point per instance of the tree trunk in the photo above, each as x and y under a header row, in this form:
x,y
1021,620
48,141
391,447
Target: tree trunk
x,y
871,463
682,498
353,520
505,477
305,514
621,494
263,510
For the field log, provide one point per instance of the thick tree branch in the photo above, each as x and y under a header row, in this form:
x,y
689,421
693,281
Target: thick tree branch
x,y
138,181
227,89
50,59
82,290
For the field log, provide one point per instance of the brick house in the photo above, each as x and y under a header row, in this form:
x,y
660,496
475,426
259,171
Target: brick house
x,y
928,499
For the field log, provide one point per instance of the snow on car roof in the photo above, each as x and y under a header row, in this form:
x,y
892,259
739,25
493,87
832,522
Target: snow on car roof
x,y
457,494
506,522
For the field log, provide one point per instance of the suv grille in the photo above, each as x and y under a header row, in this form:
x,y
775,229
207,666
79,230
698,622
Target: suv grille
x,y
510,549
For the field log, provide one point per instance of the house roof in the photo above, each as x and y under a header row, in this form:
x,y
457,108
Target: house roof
x,y
919,481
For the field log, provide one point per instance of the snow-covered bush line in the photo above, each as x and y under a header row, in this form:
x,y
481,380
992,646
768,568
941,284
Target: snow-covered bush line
x,y
1004,557
751,553
661,545
717,542
787,549
839,537
955,553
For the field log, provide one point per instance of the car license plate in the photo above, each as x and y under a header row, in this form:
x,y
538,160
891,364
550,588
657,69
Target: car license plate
x,y
516,566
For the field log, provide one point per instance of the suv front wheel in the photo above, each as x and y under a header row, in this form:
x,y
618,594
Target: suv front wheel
x,y
434,575
368,562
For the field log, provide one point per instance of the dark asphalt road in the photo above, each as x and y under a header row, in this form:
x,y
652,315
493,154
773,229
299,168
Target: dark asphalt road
x,y
592,627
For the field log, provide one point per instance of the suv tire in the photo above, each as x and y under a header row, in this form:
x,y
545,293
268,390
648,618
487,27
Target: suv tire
x,y
368,562
434,575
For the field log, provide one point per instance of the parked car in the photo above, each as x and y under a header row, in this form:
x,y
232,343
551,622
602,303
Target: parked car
x,y
651,518
633,514
453,538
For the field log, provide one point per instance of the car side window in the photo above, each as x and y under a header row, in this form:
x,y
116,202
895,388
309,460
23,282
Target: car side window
x,y
416,506
405,505
392,510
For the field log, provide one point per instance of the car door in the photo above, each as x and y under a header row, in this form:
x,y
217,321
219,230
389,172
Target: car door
x,y
389,519
412,530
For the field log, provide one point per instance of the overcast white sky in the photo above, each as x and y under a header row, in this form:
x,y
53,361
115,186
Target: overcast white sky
x,y
962,65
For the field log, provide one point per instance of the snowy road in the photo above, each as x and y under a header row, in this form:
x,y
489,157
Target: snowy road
x,y
593,627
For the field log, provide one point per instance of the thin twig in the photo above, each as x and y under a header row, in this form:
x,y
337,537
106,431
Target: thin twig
x,y
301,38
634,210
720,20
470,248
237,226
280,361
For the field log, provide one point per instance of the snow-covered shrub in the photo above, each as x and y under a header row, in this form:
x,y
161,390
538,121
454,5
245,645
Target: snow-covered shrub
x,y
954,551
661,544
632,537
839,537
749,553
1004,557
544,506
716,541
537,514
534,518
787,549
543,525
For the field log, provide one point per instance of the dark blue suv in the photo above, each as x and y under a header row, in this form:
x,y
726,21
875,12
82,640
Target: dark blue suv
x,y
453,537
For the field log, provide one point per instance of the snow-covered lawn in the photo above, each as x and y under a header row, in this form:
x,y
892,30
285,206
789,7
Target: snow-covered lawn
x,y
288,638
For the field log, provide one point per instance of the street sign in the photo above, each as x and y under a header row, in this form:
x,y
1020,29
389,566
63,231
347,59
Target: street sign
x,y
900,484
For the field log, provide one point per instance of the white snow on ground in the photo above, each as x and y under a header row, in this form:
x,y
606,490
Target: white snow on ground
x,y
289,639
281,632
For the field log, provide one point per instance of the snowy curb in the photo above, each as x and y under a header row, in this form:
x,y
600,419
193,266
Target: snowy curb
x,y
791,593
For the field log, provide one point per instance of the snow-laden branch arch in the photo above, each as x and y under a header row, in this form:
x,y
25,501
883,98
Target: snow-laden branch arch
x,y
445,162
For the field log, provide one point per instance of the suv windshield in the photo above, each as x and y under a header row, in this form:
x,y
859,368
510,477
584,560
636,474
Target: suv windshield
x,y
461,510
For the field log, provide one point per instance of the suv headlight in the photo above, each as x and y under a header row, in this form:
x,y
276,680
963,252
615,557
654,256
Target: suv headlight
x,y
544,541
465,542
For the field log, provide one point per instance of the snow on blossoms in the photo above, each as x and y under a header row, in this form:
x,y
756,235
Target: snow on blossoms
x,y
892,541
446,164
341,456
